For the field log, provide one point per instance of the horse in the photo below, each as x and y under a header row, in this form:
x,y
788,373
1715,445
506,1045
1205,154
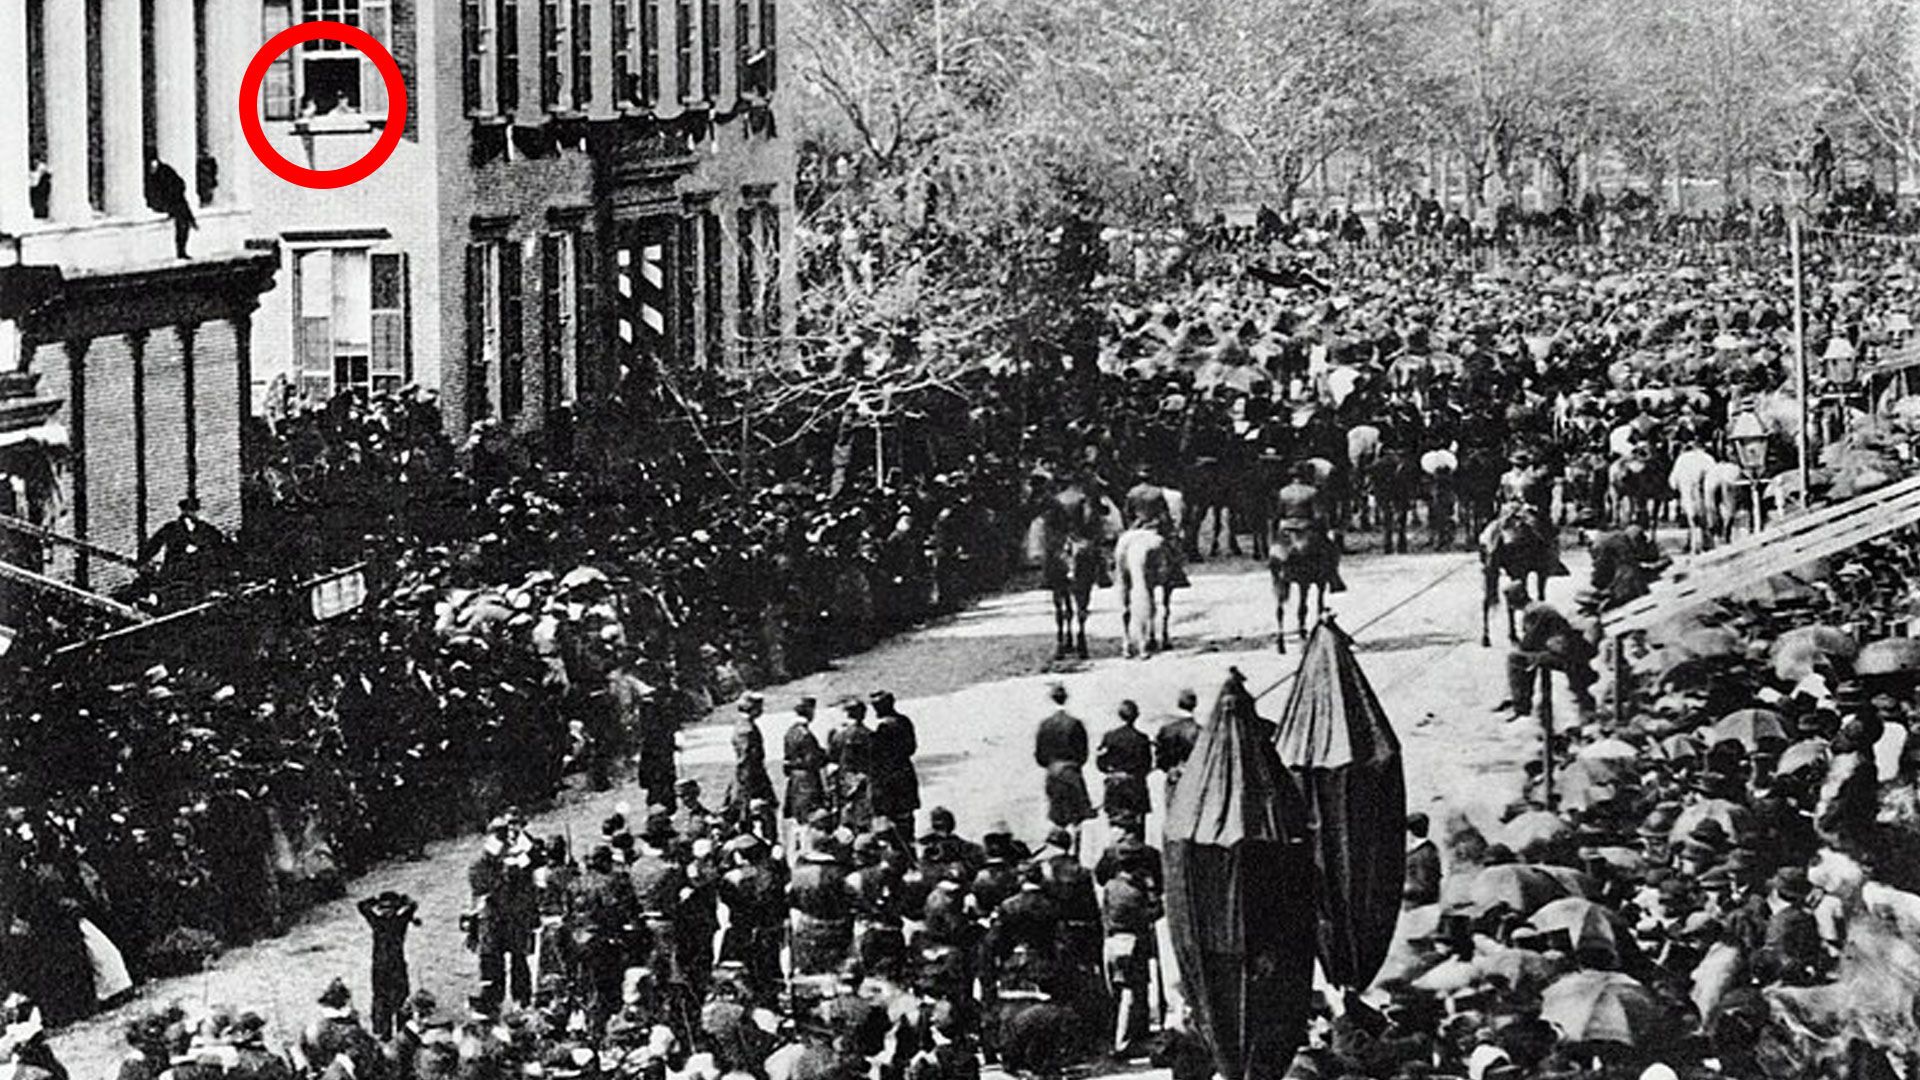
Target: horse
x,y
1213,483
1364,446
1309,560
1516,546
1395,480
1708,492
1146,591
1476,485
1583,490
1070,532
1441,467
1639,489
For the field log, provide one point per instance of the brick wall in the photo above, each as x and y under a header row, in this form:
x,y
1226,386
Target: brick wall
x,y
216,376
110,449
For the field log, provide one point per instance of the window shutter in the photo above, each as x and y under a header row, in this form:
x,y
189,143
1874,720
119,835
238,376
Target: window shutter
x,y
749,285
552,352
622,49
769,69
513,389
686,290
710,50
477,404
683,59
711,284
550,54
506,90
582,54
376,18
770,321
743,47
277,89
586,309
649,52
471,49
389,298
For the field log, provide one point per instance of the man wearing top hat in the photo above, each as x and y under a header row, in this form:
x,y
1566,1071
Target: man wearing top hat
x,y
186,545
1060,748
750,779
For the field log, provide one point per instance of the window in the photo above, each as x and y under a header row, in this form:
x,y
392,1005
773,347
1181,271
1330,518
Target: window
x,y
513,388
745,224
683,56
686,291
351,320
743,46
506,39
710,49
586,293
483,329
96,104
582,54
324,77
770,320
40,182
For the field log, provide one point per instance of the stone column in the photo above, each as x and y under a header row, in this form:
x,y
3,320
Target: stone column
x,y
176,95
66,49
15,209
122,110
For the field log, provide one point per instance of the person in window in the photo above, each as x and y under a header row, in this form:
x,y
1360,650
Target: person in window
x,y
40,190
187,544
167,193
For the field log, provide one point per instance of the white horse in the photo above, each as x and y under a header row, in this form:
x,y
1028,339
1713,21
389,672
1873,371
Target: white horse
x,y
1708,492
1144,578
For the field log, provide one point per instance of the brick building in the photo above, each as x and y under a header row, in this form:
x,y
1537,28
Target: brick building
x,y
124,370
581,182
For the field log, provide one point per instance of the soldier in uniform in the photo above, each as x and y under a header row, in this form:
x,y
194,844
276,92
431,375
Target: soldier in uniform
x,y
822,909
1027,923
896,784
999,876
803,759
1305,545
1125,759
755,892
944,854
1130,852
1070,888
751,786
874,889
1146,507
851,748
502,919
1131,908
698,920
1060,748
604,918
1173,743
691,818
659,882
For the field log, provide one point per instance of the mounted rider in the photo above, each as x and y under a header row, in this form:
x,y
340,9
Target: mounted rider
x,y
1146,507
1303,526
1526,489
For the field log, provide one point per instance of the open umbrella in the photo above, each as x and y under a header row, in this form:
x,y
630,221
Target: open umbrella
x,y
1801,755
1889,656
1681,747
1751,728
1582,787
1610,758
1706,643
1604,1007
1586,923
1520,887
1343,754
1237,854
1538,835
1731,816
1795,652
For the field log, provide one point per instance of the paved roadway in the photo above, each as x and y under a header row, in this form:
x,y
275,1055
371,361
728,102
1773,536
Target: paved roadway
x,y
974,684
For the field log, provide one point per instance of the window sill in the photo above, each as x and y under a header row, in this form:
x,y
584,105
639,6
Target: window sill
x,y
490,120
355,123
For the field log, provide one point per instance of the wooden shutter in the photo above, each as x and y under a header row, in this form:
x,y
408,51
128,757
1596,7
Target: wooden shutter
x,y
389,302
376,18
649,51
478,405
506,38
513,389
313,300
683,57
586,309
622,51
471,50
552,348
770,320
582,54
710,50
711,285
769,69
749,283
277,92
686,340
550,54
743,47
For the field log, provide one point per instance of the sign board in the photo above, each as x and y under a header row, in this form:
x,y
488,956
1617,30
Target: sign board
x,y
341,594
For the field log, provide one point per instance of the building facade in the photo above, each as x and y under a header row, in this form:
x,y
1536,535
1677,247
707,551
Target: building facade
x,y
582,184
124,369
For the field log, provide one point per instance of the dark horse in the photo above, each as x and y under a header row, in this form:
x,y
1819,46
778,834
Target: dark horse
x,y
1517,546
1397,482
1071,549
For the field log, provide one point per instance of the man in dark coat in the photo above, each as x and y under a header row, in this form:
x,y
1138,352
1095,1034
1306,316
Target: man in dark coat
x,y
639,717
851,748
605,917
754,890
1423,865
390,916
659,884
1549,642
1060,747
1173,743
167,194
751,785
896,784
822,909
187,545
1625,562
803,759
504,914
1125,759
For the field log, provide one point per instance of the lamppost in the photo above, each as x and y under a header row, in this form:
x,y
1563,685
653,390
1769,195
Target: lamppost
x,y
1749,438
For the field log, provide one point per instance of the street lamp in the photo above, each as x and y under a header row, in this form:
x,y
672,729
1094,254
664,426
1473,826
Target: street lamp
x,y
1749,438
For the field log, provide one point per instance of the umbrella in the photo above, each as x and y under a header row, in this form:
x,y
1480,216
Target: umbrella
x,y
581,576
1343,754
1521,887
1579,788
1731,816
1750,728
1707,643
1538,835
1889,656
1681,747
1801,755
1610,758
1237,852
1604,1006
1585,922
1795,652
1623,859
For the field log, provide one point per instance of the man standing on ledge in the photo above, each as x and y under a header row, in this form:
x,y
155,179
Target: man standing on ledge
x,y
167,194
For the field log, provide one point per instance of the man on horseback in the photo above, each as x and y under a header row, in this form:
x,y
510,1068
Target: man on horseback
x,y
1303,525
1526,498
1146,507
